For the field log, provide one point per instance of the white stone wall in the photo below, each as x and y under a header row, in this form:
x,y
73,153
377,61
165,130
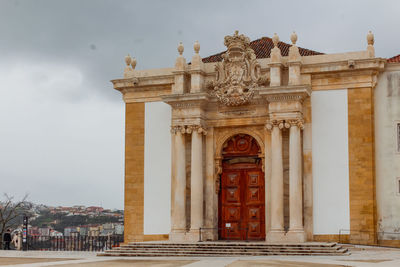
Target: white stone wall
x,y
157,168
330,161
387,156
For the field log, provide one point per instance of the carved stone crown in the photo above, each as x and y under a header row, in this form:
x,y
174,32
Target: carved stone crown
x,y
239,73
236,44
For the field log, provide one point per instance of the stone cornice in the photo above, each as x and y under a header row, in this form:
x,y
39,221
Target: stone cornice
x,y
359,78
285,93
197,71
344,66
179,72
188,100
392,66
142,83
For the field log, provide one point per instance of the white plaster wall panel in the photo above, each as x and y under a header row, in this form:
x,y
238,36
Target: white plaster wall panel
x,y
330,161
157,168
387,115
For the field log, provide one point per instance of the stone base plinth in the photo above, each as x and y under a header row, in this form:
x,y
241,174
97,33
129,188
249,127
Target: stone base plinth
x,y
193,235
177,236
209,235
293,236
275,236
296,236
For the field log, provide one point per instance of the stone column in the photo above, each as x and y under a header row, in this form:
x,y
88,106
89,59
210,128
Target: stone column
x,y
267,177
210,196
296,230
196,186
277,223
178,186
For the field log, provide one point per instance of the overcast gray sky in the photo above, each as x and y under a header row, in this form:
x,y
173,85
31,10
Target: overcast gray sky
x,y
61,122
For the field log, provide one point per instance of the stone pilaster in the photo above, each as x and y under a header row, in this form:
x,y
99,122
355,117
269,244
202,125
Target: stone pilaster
x,y
134,172
211,214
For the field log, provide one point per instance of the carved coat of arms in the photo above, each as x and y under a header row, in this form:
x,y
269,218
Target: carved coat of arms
x,y
238,74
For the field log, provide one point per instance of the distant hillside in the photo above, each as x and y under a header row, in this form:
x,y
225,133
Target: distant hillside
x,y
59,221
59,218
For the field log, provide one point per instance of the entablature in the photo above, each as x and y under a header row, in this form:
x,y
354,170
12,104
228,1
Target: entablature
x,y
241,78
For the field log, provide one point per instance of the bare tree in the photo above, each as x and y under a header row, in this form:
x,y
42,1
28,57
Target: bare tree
x,y
10,212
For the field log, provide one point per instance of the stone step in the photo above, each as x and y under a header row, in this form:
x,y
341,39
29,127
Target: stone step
x,y
204,244
224,249
230,252
229,249
217,255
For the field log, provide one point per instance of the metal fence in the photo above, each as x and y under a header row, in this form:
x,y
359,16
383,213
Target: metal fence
x,y
73,243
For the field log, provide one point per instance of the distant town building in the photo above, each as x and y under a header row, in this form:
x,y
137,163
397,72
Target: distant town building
x,y
119,229
68,231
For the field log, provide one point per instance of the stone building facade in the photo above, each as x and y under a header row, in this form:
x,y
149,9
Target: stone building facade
x,y
266,141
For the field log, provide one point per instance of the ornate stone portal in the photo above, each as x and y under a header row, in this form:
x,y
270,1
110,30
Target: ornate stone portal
x,y
267,99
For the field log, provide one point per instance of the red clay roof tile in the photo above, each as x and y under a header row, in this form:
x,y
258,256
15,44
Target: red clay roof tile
x,y
262,48
394,59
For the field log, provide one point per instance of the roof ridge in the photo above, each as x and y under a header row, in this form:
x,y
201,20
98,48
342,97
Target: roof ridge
x,y
262,48
394,59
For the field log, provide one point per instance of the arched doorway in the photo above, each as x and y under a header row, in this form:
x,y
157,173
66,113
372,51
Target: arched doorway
x,y
241,199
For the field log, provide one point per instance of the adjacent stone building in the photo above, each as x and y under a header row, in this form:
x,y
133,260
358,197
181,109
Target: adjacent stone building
x,y
265,141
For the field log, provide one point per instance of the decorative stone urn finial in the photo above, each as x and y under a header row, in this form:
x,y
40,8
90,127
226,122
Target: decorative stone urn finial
x,y
128,60
128,71
180,48
370,46
133,63
275,40
196,47
293,38
370,38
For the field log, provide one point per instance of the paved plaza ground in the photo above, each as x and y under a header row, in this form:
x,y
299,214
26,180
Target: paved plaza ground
x,y
360,256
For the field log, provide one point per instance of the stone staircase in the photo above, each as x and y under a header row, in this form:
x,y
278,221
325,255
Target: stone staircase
x,y
224,249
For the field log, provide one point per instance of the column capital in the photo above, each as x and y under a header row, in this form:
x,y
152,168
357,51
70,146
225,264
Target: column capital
x,y
178,129
276,123
196,127
188,129
297,123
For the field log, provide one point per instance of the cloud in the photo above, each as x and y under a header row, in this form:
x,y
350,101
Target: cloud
x,y
61,122
59,143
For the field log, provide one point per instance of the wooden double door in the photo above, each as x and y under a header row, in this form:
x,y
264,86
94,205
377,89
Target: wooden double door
x,y
242,202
